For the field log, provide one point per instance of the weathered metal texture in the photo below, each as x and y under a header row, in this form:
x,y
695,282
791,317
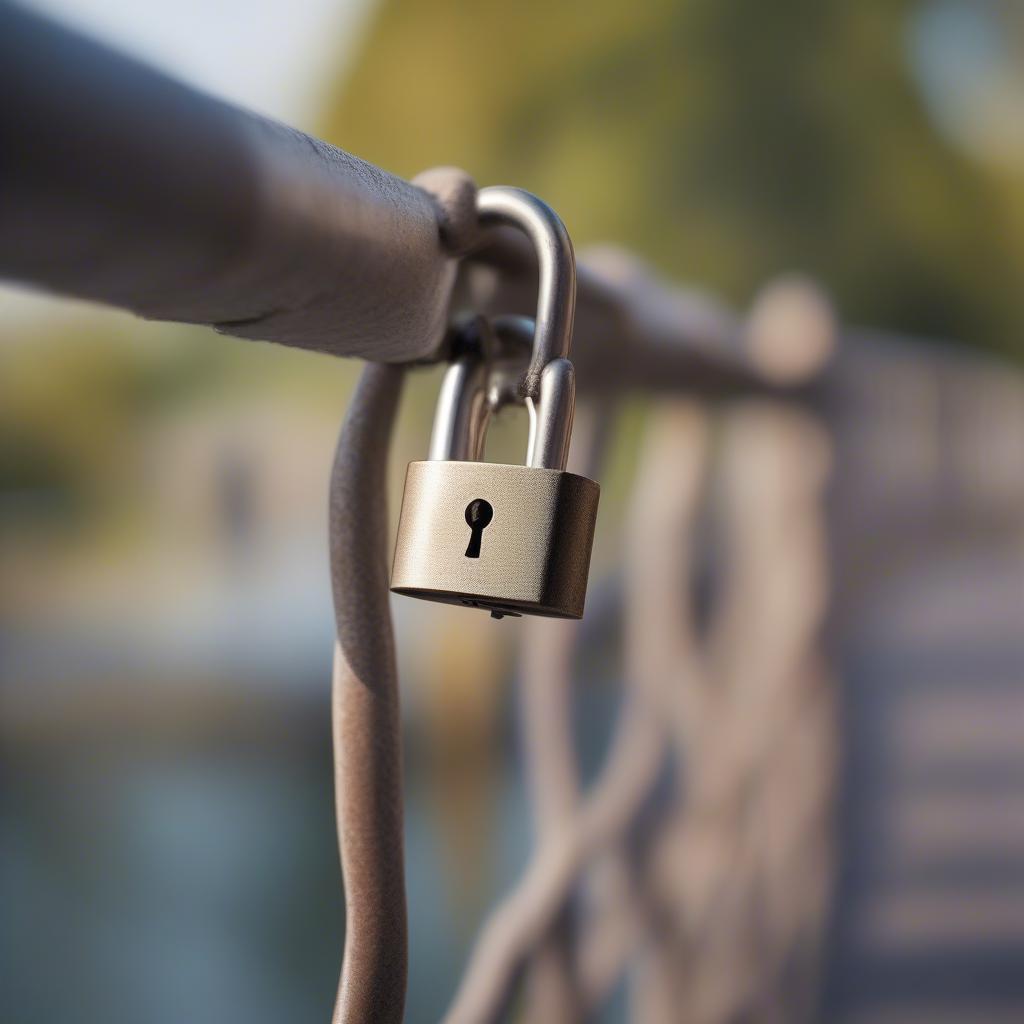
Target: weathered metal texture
x,y
121,185
367,741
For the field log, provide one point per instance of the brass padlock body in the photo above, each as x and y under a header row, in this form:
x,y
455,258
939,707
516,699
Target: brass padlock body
x,y
534,553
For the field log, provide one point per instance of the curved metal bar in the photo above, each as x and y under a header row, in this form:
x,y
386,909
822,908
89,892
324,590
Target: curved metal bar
x,y
479,383
551,416
631,770
556,290
460,420
481,380
513,337
367,736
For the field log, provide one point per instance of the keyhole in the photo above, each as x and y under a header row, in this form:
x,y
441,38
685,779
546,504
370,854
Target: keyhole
x,y
478,514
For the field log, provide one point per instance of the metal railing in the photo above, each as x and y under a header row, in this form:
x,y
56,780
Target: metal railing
x,y
120,185
126,187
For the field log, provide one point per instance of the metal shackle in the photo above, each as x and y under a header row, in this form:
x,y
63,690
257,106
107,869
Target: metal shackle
x,y
547,387
481,381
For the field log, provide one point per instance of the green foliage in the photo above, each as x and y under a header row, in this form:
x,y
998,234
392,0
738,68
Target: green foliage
x,y
724,140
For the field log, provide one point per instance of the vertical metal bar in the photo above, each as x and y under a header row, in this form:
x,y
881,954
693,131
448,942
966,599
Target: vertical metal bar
x,y
366,728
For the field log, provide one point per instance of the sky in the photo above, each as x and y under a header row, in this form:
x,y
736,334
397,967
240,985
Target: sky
x,y
277,57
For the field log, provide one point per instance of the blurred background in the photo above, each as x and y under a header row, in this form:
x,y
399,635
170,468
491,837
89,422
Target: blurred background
x,y
167,845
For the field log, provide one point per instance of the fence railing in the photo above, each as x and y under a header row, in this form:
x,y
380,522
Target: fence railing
x,y
124,186
120,185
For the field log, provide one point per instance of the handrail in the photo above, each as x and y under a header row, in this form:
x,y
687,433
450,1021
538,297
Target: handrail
x,y
121,185
365,716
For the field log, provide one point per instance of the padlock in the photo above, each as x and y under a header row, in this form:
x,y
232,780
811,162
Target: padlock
x,y
511,539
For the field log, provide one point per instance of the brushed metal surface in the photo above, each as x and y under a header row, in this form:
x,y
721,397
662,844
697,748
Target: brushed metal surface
x,y
534,553
556,262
